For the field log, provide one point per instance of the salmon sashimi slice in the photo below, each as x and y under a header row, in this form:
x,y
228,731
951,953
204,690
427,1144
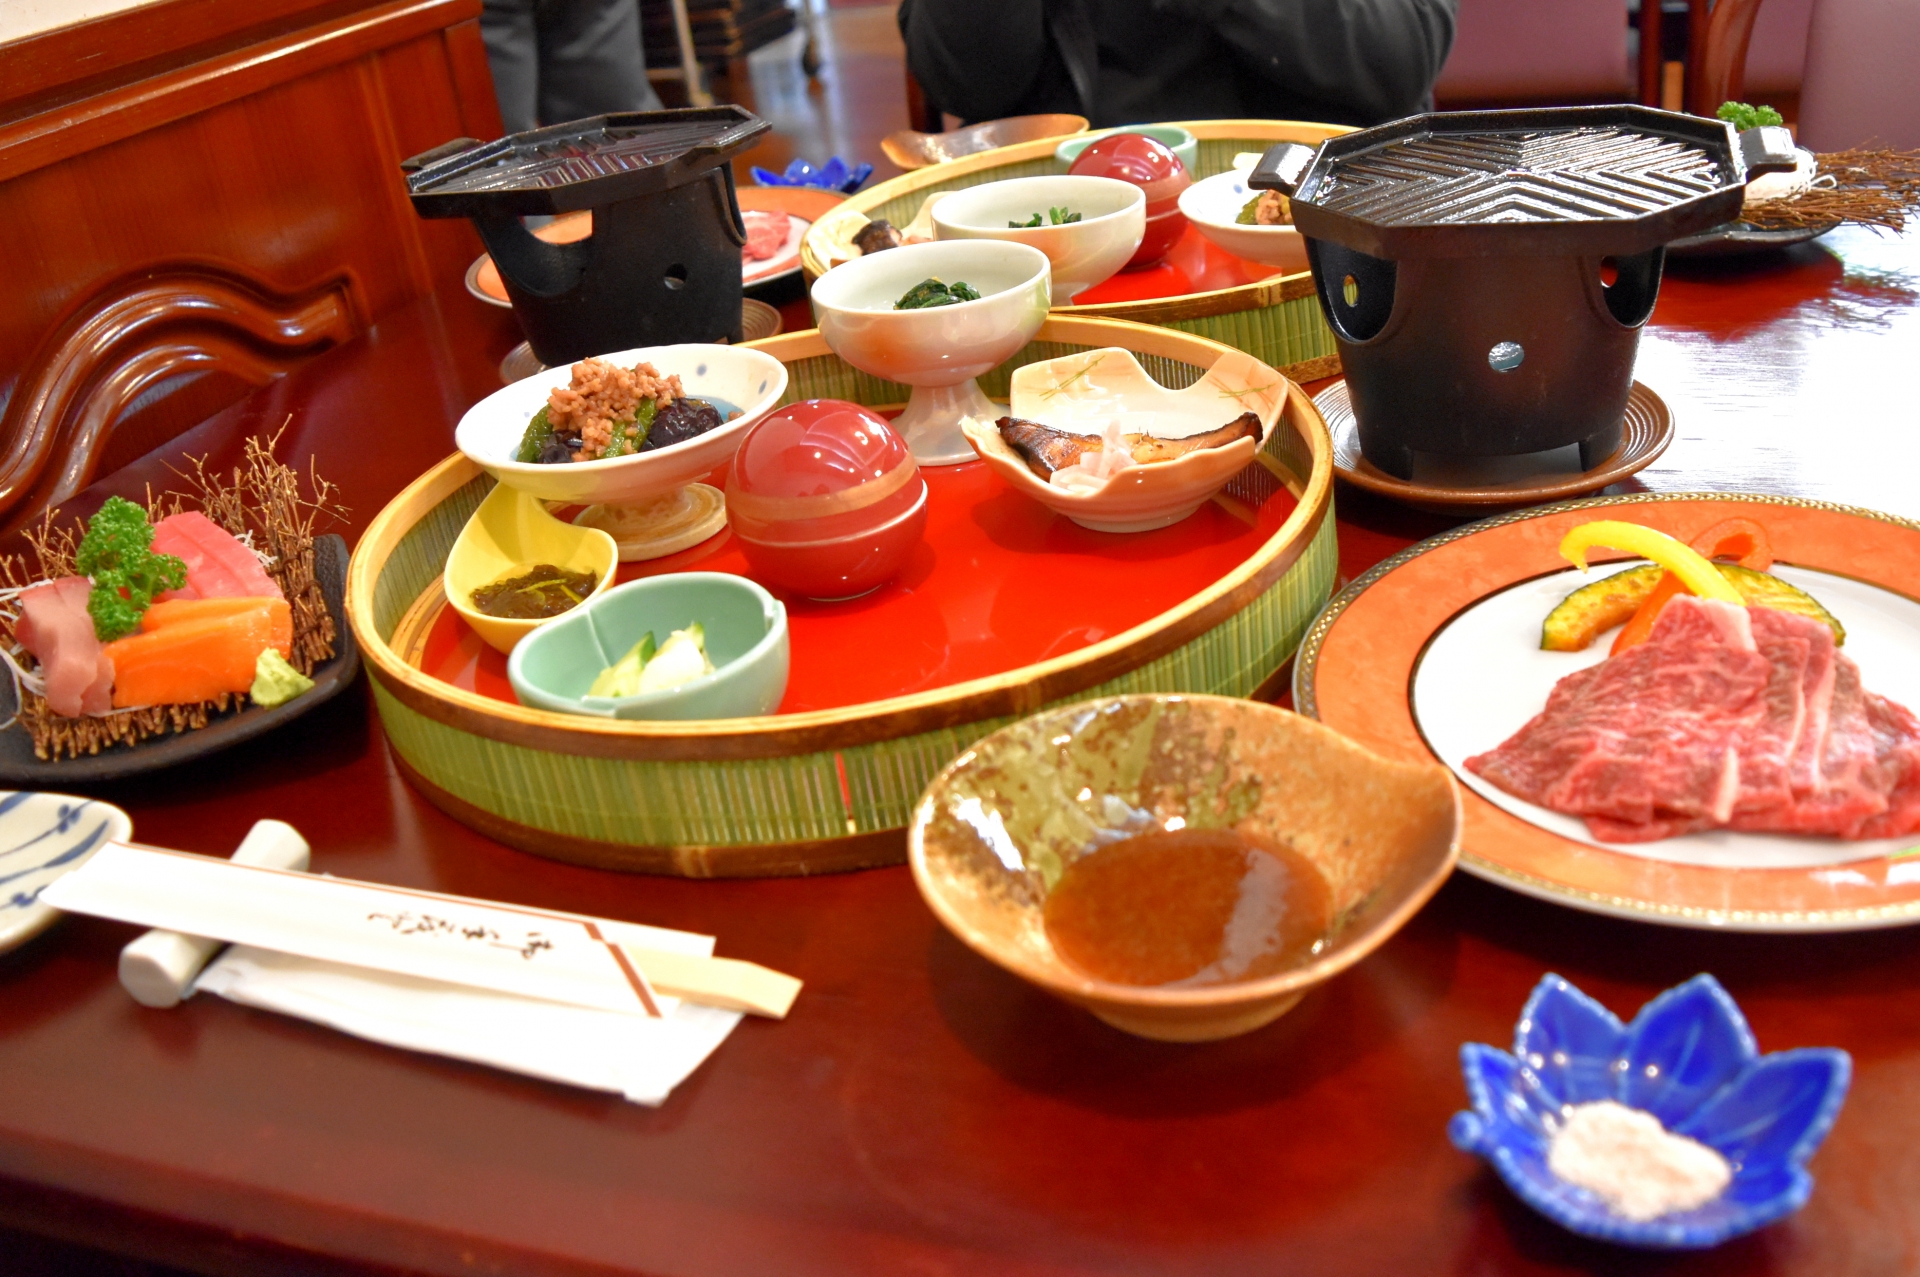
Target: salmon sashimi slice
x,y
189,660
218,565
177,611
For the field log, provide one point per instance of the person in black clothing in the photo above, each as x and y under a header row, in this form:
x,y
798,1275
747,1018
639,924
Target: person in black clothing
x,y
1136,61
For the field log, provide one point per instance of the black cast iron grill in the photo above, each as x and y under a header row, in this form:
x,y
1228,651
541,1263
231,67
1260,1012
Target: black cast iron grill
x,y
1459,258
663,262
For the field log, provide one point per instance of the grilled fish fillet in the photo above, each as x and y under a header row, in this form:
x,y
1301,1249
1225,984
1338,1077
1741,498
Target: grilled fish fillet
x,y
1045,449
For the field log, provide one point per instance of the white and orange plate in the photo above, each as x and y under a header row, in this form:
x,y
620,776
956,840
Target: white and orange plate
x,y
1434,654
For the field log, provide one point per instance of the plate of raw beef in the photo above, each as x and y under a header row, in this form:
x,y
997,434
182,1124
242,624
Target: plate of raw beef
x,y
1738,770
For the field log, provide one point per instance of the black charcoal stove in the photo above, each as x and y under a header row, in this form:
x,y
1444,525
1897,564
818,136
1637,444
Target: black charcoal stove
x,y
1459,259
663,262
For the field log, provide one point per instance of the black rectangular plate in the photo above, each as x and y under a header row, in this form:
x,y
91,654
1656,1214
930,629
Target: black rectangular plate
x,y
19,766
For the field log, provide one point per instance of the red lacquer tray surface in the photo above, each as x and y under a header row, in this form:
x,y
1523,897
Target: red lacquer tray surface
x,y
1000,582
1193,265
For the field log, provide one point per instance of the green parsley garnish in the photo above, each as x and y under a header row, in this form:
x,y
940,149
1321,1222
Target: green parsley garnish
x,y
1744,117
126,573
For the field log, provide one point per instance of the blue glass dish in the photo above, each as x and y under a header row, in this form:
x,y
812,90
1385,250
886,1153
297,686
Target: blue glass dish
x,y
834,175
1689,1059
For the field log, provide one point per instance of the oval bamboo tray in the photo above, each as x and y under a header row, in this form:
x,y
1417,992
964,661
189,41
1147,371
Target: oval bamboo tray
x,y
826,790
1277,320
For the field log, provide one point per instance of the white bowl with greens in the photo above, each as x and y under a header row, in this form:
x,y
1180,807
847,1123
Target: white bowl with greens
x,y
732,378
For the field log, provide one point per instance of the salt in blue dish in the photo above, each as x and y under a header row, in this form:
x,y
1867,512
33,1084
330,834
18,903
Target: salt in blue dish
x,y
43,836
1689,1059
835,175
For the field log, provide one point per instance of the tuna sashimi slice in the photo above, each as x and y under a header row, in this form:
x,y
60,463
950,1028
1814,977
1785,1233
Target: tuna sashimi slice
x,y
218,565
55,627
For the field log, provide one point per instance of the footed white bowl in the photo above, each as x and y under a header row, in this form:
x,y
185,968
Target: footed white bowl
x,y
940,350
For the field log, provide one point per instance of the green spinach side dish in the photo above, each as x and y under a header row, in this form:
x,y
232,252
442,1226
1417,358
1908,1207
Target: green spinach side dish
x,y
932,292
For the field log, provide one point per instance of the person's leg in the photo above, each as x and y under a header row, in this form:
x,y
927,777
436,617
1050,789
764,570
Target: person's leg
x,y
507,27
590,60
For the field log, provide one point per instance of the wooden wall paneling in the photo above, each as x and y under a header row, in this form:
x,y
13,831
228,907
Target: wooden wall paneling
x,y
74,127
180,239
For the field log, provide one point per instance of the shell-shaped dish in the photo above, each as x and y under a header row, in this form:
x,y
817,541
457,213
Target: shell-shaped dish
x,y
509,533
994,832
746,641
1081,393
1690,1060
748,380
1214,206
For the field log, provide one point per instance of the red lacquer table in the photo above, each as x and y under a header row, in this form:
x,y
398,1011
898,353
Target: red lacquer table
x,y
922,1112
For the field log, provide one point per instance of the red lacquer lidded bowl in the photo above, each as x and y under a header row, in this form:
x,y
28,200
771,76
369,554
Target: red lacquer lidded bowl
x,y
1154,168
826,500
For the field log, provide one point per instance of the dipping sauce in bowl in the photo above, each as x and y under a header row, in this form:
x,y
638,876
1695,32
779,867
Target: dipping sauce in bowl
x,y
1189,907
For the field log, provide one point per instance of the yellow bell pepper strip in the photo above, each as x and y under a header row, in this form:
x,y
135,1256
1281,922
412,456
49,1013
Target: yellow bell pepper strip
x,y
1694,571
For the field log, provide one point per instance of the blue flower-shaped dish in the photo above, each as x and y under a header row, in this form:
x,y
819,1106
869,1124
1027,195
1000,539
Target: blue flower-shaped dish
x,y
834,175
1689,1059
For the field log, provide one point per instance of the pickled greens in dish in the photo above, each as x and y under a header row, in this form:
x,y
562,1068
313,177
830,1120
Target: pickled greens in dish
x,y
681,659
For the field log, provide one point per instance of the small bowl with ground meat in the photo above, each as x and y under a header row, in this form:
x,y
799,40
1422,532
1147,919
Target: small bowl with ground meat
x,y
622,427
1255,226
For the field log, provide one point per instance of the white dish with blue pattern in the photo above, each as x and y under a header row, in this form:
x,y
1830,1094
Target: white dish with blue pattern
x,y
43,836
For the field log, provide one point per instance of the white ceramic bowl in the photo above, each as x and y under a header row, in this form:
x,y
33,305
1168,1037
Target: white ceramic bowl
x,y
753,382
1113,220
939,350
1213,204
1080,393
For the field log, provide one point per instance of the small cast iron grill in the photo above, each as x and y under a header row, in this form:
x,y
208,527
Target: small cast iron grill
x,y
1459,261
663,262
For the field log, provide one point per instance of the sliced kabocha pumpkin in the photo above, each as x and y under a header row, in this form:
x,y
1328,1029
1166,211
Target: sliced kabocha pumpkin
x,y
1592,610
1763,589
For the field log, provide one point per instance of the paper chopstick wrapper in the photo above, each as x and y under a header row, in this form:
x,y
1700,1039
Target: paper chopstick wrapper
x,y
589,1001
636,1056
559,957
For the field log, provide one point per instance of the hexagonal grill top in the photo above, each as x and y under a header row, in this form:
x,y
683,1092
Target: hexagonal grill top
x,y
1607,180
1521,177
583,164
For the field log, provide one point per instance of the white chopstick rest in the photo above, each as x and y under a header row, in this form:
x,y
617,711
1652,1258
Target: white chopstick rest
x,y
160,966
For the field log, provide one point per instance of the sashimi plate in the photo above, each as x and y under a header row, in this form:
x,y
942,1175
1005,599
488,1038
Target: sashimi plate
x,y
19,765
1434,654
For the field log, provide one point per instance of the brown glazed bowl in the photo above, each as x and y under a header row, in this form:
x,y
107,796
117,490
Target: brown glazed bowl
x,y
998,827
